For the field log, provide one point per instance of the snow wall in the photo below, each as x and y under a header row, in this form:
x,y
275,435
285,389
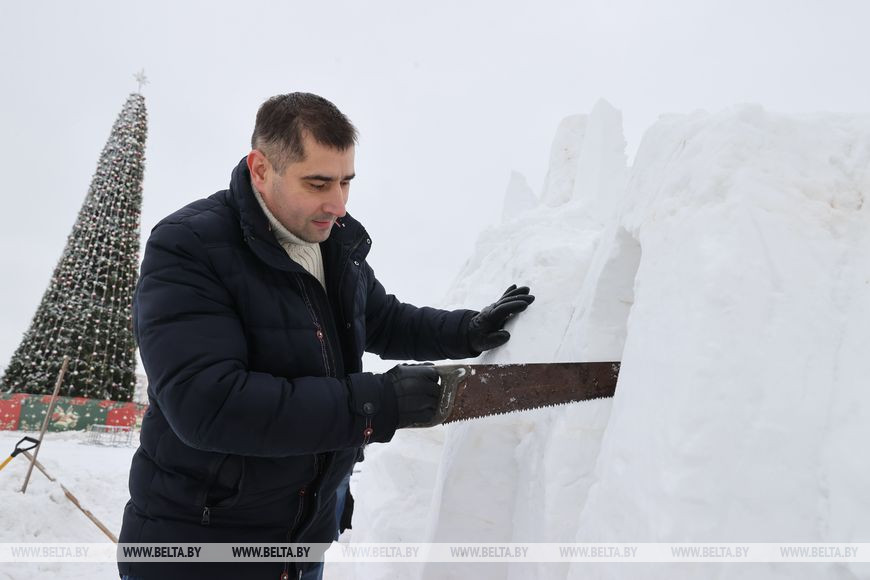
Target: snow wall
x,y
728,270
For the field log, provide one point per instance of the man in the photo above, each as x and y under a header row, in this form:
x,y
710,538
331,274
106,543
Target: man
x,y
252,312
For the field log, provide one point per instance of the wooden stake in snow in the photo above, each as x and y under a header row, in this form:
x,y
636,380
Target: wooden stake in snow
x,y
45,421
69,495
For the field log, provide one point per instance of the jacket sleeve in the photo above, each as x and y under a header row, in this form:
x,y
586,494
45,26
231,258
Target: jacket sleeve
x,y
399,331
194,350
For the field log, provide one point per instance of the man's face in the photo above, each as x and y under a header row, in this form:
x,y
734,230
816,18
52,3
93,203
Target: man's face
x,y
310,194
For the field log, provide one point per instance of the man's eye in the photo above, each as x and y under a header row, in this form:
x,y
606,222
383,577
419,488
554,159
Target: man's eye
x,y
318,185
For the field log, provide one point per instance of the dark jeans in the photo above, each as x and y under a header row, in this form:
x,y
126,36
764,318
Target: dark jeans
x,y
340,497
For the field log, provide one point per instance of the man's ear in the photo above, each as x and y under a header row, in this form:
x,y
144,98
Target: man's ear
x,y
259,167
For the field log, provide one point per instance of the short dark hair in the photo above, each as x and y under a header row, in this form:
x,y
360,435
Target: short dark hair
x,y
282,120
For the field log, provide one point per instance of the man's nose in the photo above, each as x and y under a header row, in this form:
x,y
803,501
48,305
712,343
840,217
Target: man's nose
x,y
336,202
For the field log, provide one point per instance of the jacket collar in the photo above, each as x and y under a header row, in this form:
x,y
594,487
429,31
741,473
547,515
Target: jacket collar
x,y
347,234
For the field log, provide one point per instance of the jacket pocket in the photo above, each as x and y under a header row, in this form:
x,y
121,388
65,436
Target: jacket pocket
x,y
224,487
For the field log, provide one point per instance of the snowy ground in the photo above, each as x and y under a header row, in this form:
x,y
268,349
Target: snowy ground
x,y
97,476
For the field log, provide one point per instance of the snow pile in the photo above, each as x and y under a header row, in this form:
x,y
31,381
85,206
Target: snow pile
x,y
727,269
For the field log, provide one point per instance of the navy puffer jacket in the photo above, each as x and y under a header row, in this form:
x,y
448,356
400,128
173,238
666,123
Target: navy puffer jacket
x,y
255,386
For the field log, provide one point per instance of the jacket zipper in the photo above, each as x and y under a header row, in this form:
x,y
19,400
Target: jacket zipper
x,y
206,510
325,347
326,351
300,509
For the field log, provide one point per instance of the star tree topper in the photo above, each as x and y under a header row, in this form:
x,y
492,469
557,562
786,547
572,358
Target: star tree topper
x,y
141,79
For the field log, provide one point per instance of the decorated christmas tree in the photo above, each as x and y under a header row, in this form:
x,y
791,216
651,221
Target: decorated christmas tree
x,y
86,311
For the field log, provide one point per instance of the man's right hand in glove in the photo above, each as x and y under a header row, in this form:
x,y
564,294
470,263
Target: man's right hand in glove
x,y
417,392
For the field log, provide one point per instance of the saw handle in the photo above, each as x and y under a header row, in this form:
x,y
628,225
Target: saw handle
x,y
450,377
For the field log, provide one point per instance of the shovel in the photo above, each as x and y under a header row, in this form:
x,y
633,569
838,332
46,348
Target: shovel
x,y
20,449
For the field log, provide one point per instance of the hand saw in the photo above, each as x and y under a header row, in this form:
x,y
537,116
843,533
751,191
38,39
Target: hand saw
x,y
472,391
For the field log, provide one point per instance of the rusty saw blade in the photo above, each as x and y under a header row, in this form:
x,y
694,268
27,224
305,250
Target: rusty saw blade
x,y
472,391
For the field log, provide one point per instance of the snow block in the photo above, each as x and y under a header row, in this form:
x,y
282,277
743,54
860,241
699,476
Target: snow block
x,y
730,275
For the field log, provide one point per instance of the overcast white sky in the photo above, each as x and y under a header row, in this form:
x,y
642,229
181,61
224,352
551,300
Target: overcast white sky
x,y
449,97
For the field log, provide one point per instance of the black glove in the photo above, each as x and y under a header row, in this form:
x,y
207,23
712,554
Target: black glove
x,y
485,330
417,392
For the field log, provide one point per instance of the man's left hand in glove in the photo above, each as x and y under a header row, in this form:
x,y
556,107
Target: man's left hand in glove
x,y
486,329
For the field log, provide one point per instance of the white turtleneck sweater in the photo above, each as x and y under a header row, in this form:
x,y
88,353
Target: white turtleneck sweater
x,y
306,254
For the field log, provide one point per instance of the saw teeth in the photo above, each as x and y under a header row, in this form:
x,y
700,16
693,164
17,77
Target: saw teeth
x,y
492,390
511,412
